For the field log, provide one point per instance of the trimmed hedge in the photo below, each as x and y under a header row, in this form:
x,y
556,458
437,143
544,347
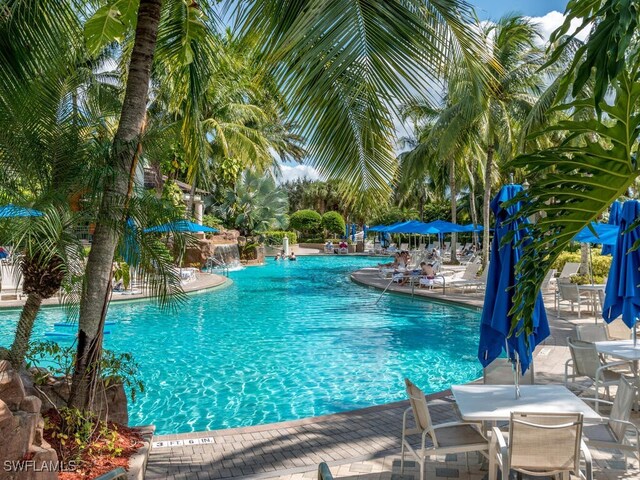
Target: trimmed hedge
x,y
306,221
275,237
333,222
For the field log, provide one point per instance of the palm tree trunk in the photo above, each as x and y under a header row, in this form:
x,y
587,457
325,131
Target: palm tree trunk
x,y
486,212
116,192
472,201
454,209
23,331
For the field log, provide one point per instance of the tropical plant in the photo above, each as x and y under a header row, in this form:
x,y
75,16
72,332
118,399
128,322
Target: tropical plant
x,y
331,60
255,205
333,222
595,163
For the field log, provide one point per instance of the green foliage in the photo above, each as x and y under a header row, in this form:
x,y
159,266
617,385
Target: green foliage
x,y
74,431
110,23
307,222
333,222
255,205
122,272
172,195
49,358
211,221
395,214
437,211
577,180
600,265
275,237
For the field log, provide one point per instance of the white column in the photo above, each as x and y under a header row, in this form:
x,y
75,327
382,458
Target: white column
x,y
199,208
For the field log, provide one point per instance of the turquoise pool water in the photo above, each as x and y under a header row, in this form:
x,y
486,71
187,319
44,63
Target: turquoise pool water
x,y
288,340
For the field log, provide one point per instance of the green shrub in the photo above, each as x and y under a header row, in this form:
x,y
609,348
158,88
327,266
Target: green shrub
x,y
275,237
211,221
333,222
600,265
307,222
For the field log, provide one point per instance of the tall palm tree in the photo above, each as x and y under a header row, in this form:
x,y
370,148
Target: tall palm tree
x,y
339,65
491,112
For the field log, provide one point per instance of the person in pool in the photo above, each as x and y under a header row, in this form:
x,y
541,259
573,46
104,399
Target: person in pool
x,y
277,257
292,257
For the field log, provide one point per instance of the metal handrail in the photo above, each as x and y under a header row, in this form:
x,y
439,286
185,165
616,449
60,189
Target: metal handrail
x,y
219,263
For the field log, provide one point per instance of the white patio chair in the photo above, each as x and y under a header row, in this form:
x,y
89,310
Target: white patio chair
x,y
450,437
613,434
585,362
569,270
592,333
569,292
618,330
468,278
540,444
500,372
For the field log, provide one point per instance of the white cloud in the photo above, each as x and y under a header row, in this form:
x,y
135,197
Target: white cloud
x,y
552,20
293,172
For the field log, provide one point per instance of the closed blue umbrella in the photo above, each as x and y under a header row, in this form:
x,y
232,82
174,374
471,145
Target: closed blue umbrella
x,y
180,226
129,249
498,301
353,232
615,212
622,293
10,211
365,230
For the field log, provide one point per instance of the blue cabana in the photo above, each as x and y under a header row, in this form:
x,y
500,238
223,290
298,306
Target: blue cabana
x,y
615,212
622,293
495,324
180,226
605,234
11,211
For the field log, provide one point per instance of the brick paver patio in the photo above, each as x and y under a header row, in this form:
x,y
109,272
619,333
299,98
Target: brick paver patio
x,y
363,444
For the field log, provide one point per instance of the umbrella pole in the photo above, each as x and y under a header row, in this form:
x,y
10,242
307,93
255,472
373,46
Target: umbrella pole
x,y
635,337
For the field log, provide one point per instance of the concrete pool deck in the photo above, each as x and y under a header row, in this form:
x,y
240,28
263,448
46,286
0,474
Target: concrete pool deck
x,y
203,282
360,444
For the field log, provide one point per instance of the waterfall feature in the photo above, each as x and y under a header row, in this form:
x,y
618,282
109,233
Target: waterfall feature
x,y
228,256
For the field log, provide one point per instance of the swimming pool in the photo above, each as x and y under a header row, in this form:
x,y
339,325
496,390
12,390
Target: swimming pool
x,y
287,340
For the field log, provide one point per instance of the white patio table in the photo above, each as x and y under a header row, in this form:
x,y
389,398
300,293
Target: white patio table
x,y
593,290
494,403
622,349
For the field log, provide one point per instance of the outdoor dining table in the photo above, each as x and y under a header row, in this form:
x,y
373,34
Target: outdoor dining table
x,y
593,290
494,403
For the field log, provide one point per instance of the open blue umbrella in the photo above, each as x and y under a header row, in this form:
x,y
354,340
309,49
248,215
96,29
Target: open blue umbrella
x,y
411,226
622,293
605,234
179,226
10,211
498,301
471,228
442,226
615,212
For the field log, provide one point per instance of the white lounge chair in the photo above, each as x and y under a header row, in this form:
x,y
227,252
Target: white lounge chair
x,y
569,270
540,444
450,437
474,282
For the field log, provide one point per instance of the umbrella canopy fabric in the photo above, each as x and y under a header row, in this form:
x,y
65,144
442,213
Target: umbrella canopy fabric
x,y
442,226
179,226
605,234
411,226
384,228
498,301
615,212
129,249
622,293
470,228
10,211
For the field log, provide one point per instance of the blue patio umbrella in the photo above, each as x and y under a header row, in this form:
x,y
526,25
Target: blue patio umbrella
x,y
10,211
498,301
622,293
179,226
442,226
614,219
605,234
353,232
365,230
346,231
471,228
383,228
410,226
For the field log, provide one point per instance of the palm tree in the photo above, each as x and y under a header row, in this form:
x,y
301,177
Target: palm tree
x,y
332,61
489,113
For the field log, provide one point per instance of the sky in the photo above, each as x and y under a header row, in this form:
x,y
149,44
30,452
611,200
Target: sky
x,y
549,14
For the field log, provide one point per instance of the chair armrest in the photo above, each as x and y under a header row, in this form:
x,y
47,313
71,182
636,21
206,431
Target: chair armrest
x,y
586,454
597,401
453,424
629,425
502,450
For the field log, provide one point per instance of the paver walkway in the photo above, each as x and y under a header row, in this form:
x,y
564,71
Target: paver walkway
x,y
362,444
